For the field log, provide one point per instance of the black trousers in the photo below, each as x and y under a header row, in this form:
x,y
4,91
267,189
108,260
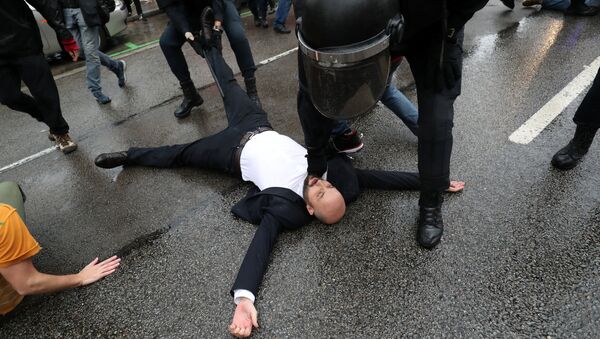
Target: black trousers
x,y
215,152
436,112
588,113
172,40
138,6
34,71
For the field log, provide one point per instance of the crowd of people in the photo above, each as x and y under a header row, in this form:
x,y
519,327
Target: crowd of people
x,y
292,183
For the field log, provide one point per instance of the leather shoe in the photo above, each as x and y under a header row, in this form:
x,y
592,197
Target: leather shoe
x,y
431,226
111,160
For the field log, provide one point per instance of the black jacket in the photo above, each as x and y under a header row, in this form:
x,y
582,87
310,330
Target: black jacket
x,y
90,11
185,14
19,33
279,209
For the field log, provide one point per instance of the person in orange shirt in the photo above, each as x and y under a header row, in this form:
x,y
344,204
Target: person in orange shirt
x,y
18,275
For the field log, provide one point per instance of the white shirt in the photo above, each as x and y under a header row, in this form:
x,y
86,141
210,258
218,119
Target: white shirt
x,y
270,159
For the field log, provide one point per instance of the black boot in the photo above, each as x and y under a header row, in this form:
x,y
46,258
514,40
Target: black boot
x,y
111,160
431,225
569,156
252,91
191,99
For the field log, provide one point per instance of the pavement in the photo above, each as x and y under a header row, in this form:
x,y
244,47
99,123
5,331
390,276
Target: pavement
x,y
519,257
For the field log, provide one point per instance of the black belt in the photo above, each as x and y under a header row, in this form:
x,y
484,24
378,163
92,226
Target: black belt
x,y
69,3
245,138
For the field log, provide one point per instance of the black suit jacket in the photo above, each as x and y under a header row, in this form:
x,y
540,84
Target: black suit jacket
x,y
277,209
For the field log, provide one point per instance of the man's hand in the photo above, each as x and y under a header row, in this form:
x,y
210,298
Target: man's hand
x,y
95,271
70,46
456,186
189,36
244,318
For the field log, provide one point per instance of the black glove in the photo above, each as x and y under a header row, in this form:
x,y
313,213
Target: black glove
x,y
317,163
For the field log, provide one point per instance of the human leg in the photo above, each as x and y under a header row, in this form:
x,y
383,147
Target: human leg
x,y
436,113
238,105
10,91
587,119
171,42
12,195
398,103
281,15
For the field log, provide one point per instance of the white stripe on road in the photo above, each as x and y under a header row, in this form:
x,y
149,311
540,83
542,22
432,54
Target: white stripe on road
x,y
51,149
28,159
542,118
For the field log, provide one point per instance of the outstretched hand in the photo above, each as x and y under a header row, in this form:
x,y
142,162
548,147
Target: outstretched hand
x,y
456,186
95,271
244,318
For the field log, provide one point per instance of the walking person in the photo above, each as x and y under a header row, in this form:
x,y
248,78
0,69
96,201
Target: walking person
x,y
22,60
138,9
83,20
283,10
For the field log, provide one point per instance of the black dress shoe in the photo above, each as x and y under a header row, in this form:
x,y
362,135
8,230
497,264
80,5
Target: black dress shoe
x,y
431,226
509,3
111,160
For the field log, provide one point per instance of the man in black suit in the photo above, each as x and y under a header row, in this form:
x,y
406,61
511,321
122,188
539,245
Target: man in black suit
x,y
284,196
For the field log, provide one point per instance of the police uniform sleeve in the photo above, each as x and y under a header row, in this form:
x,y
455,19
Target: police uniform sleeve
x,y
461,11
218,9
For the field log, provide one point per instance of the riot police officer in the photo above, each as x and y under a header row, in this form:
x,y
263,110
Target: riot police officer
x,y
344,55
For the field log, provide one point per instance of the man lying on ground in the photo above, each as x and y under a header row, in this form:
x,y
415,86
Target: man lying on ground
x,y
18,275
284,196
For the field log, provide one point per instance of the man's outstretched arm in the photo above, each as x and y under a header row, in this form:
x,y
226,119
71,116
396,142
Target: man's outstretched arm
x,y
396,181
251,274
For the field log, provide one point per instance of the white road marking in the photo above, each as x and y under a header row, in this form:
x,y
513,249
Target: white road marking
x,y
542,118
51,149
28,159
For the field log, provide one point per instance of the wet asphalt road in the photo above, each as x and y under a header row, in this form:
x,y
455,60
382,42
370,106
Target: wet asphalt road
x,y
519,256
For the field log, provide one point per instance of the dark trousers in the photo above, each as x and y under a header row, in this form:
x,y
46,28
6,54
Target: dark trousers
x,y
138,6
258,8
34,71
172,40
215,152
588,113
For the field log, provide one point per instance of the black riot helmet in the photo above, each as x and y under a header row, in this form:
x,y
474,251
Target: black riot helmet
x,y
344,47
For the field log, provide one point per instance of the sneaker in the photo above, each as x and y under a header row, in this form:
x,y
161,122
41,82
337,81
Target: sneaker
x,y
350,142
281,29
264,23
121,75
257,21
64,142
101,98
142,18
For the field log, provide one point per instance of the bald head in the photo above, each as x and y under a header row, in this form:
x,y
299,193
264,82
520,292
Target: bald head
x,y
323,200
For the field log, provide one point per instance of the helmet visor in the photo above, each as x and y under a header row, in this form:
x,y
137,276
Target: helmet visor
x,y
350,90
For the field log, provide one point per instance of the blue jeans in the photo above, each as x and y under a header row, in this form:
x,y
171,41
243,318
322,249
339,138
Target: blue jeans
x,y
398,103
88,40
283,9
562,5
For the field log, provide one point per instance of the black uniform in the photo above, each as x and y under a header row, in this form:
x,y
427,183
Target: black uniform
x,y
21,59
429,53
